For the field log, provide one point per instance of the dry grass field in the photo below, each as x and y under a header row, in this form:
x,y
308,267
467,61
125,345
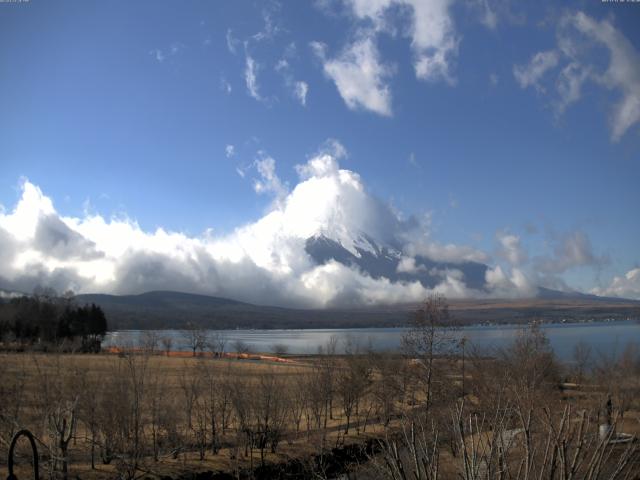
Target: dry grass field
x,y
152,415
178,385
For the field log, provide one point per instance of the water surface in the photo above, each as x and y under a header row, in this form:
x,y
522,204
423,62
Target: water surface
x,y
603,337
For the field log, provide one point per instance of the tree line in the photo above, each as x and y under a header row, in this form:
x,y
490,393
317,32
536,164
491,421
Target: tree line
x,y
46,320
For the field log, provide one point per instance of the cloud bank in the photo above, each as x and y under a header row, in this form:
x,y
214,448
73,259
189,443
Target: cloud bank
x,y
266,261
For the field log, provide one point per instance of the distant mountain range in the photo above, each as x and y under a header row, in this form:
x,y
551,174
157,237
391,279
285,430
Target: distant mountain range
x,y
168,309
162,309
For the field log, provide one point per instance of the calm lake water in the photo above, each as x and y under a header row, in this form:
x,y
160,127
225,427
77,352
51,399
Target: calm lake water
x,y
603,337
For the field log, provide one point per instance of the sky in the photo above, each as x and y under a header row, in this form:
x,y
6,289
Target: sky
x,y
196,145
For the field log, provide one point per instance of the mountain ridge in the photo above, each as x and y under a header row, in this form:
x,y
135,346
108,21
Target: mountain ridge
x,y
169,309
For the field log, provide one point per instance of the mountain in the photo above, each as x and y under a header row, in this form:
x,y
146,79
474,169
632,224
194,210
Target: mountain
x,y
383,261
549,294
166,309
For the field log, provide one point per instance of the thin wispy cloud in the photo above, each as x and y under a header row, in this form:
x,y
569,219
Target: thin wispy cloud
x,y
251,78
577,52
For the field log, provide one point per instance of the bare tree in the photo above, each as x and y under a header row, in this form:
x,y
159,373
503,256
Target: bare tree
x,y
531,366
280,349
88,410
430,334
149,341
269,413
297,394
352,381
195,338
555,446
241,347
387,385
135,370
190,385
167,343
155,406
217,344
57,400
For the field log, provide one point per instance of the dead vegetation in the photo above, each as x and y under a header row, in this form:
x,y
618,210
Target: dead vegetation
x,y
429,413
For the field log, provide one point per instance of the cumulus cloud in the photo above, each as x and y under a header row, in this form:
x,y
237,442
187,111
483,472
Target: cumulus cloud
x,y
359,75
434,41
359,72
626,286
580,42
264,261
513,284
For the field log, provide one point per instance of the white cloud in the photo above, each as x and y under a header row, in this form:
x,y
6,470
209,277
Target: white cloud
x,y
161,55
529,75
433,37
229,151
513,285
625,286
622,74
263,261
250,77
158,55
511,248
434,40
225,86
300,90
271,23
232,42
488,17
269,181
569,85
359,75
579,37
444,252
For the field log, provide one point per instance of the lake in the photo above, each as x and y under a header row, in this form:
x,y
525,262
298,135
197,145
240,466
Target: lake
x,y
603,337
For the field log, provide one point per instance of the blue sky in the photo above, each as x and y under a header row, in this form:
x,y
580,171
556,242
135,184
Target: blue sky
x,y
501,128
